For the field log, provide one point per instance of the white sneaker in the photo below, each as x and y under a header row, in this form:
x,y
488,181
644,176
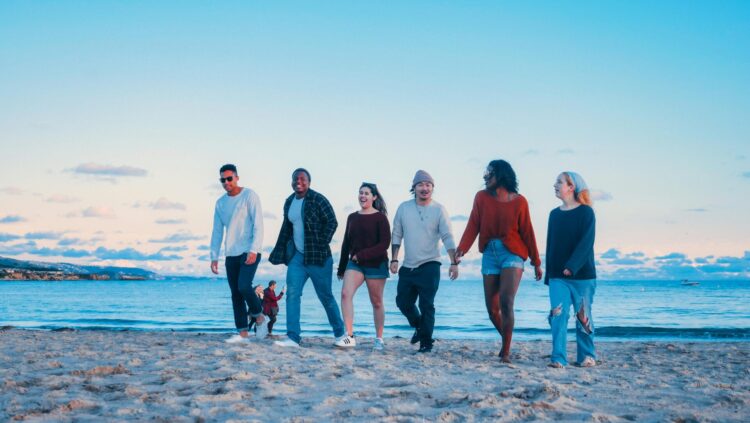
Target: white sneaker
x,y
237,339
588,362
379,344
345,341
261,329
288,342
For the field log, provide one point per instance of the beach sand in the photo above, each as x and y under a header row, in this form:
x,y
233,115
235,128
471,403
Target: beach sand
x,y
173,376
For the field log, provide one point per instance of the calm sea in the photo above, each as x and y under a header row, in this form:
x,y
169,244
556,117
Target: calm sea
x,y
713,310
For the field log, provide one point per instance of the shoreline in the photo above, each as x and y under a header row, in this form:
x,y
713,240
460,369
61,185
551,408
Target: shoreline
x,y
139,375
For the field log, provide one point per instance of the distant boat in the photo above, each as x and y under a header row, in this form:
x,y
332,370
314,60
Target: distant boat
x,y
689,283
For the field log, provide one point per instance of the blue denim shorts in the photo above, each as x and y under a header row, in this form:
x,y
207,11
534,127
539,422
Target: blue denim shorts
x,y
496,257
380,272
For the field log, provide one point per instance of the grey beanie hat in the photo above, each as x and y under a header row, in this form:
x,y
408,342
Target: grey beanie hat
x,y
422,176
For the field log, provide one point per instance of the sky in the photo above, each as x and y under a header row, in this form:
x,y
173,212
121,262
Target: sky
x,y
115,117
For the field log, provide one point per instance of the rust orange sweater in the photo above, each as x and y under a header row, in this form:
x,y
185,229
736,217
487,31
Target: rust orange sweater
x,y
509,222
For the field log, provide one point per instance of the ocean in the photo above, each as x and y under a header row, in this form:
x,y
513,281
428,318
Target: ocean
x,y
622,310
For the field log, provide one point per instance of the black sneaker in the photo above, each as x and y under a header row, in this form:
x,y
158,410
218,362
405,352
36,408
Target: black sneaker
x,y
415,337
425,349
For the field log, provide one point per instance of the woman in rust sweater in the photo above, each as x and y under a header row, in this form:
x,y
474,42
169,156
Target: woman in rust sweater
x,y
364,257
500,216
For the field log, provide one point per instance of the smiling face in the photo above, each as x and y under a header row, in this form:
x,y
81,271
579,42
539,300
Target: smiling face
x,y
423,191
229,181
563,188
366,198
300,183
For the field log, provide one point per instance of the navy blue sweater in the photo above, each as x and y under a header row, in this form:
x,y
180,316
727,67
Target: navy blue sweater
x,y
570,244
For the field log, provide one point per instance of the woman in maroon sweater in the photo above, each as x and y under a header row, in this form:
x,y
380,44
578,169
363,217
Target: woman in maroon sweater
x,y
500,216
364,257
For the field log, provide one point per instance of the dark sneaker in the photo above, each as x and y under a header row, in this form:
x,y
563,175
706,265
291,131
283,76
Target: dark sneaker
x,y
415,337
425,349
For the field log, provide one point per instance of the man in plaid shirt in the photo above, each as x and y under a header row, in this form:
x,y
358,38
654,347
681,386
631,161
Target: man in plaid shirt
x,y
304,246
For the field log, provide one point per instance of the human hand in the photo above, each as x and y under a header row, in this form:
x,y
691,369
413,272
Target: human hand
x,y
251,257
215,267
394,267
567,272
453,272
458,255
538,272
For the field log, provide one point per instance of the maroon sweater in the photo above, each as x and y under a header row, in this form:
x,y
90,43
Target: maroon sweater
x,y
367,236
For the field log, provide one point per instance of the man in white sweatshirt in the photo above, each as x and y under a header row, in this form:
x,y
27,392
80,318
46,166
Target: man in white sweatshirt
x,y
239,211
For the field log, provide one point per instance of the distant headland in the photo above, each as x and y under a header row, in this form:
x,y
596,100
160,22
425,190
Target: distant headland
x,y
11,269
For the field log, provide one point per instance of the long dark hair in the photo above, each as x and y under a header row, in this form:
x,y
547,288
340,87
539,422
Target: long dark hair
x,y
379,202
504,176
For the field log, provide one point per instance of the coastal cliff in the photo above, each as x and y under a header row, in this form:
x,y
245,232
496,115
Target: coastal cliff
x,y
11,269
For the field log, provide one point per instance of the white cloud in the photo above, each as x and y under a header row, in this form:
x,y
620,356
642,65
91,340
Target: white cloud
x,y
11,191
599,195
164,204
103,212
108,170
63,199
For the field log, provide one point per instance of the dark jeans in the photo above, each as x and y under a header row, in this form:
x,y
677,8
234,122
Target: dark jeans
x,y
240,277
272,313
421,282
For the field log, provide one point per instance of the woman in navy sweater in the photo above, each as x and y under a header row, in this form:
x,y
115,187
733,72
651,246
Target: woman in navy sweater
x,y
571,274
364,257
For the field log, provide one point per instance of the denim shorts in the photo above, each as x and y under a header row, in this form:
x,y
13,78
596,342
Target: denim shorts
x,y
380,272
496,257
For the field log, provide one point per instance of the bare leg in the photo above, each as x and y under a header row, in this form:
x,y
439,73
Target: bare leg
x,y
510,279
352,281
375,288
492,300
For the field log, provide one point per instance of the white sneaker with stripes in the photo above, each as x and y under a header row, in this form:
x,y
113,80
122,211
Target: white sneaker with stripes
x,y
345,341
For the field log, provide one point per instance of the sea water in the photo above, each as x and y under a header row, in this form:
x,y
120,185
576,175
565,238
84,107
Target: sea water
x,y
653,310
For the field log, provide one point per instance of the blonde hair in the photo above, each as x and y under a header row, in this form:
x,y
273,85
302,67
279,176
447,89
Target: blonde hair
x,y
583,196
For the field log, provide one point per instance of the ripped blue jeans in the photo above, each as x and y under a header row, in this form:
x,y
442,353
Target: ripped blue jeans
x,y
564,293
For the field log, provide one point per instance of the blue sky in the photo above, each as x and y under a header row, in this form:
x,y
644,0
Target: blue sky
x,y
115,117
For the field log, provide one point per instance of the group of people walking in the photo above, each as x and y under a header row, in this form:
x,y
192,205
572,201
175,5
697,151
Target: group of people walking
x,y
499,217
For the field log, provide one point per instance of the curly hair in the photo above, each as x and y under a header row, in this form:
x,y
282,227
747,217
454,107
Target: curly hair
x,y
504,174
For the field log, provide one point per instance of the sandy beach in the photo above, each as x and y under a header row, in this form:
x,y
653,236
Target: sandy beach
x,y
174,376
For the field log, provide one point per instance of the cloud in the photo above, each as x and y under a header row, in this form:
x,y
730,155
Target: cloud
x,y
599,195
16,249
11,191
44,235
174,249
68,241
63,199
170,221
164,204
566,151
178,237
204,248
612,253
746,174
59,252
530,152
132,254
672,256
12,218
108,170
626,261
103,212
269,215
8,237
698,210
459,218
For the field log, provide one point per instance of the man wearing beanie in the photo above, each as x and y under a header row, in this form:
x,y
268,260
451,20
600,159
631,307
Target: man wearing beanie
x,y
421,223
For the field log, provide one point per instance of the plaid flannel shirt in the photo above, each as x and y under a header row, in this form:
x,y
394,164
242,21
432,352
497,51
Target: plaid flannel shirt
x,y
320,225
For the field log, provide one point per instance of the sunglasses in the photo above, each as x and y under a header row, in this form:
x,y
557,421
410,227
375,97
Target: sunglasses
x,y
227,179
